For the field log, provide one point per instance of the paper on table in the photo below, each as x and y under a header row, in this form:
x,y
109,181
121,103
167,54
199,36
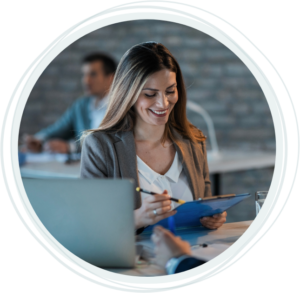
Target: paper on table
x,y
45,157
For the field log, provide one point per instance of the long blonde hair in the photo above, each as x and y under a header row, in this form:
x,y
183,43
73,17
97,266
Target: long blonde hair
x,y
136,65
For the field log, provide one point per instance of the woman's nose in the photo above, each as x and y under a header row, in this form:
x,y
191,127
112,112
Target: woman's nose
x,y
162,101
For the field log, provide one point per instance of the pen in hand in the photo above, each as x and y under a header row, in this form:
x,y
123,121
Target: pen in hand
x,y
150,192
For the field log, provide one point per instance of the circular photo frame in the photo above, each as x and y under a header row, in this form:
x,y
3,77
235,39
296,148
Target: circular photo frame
x,y
267,77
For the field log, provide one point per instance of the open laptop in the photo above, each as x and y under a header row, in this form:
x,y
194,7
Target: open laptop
x,y
92,218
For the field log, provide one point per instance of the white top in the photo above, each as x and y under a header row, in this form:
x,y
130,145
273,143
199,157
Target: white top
x,y
97,113
174,181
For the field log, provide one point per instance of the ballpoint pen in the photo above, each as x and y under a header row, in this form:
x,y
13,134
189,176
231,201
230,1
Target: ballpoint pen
x,y
150,192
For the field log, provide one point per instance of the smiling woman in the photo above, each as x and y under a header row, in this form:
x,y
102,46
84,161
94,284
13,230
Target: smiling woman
x,y
158,97
145,135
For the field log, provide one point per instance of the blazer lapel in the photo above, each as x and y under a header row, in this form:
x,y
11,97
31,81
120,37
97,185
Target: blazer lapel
x,y
126,153
184,149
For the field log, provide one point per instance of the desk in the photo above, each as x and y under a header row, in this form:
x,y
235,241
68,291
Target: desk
x,y
52,169
225,161
230,161
226,235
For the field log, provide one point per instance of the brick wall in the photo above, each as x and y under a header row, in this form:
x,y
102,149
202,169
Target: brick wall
x,y
215,78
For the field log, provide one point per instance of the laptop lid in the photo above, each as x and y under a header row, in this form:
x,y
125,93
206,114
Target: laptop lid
x,y
92,218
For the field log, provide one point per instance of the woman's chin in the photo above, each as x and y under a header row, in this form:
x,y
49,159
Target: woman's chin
x,y
160,121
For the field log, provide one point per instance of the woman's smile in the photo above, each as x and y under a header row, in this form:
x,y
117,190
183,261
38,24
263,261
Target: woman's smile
x,y
159,113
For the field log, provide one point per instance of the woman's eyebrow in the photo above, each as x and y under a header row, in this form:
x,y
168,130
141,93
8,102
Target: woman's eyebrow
x,y
150,89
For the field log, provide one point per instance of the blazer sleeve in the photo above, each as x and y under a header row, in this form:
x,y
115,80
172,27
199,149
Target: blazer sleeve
x,y
93,162
207,191
63,128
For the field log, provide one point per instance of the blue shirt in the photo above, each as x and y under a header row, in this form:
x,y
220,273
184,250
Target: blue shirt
x,y
71,124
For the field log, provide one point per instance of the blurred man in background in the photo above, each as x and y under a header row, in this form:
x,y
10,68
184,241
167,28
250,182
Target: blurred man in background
x,y
85,113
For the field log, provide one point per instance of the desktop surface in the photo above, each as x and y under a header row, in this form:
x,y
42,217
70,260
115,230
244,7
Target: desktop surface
x,y
217,240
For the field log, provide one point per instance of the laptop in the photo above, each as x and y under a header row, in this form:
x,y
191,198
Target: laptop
x,y
92,218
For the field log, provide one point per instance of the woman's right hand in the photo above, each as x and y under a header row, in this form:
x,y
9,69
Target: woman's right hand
x,y
145,215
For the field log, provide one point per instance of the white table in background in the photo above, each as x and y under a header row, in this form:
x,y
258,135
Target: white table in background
x,y
233,161
225,161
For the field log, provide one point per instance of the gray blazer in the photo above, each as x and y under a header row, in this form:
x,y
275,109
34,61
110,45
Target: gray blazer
x,y
113,155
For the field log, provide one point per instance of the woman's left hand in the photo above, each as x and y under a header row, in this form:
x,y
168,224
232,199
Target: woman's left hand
x,y
215,221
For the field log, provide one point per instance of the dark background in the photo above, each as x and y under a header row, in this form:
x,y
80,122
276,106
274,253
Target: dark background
x,y
215,78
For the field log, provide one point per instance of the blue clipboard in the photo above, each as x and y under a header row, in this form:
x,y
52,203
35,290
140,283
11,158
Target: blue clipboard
x,y
188,214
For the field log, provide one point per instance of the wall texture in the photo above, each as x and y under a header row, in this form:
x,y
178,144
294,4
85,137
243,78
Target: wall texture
x,y
215,78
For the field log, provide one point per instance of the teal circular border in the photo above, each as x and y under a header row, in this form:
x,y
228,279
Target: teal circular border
x,y
230,256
